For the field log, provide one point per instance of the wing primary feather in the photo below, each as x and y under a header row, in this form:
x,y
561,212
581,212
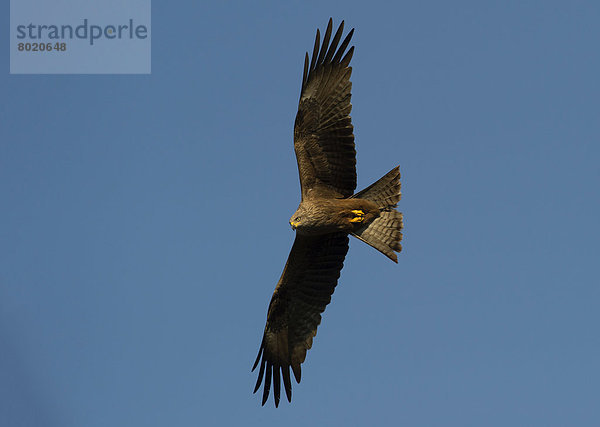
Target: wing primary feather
x,y
326,38
343,46
348,57
267,387
276,385
260,351
315,51
297,372
334,42
261,372
287,384
305,74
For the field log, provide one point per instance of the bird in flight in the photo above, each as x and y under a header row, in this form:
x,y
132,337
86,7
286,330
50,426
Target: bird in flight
x,y
328,212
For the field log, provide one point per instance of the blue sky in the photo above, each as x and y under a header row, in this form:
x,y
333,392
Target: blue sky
x,y
144,222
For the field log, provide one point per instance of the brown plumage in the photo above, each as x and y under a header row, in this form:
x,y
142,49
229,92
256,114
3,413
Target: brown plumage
x,y
329,211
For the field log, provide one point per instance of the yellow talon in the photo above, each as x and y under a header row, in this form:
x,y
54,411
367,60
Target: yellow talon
x,y
360,216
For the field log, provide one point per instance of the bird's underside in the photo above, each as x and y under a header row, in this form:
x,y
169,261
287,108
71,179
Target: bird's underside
x,y
328,213
321,216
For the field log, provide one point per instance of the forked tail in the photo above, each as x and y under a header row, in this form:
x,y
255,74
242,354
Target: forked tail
x,y
384,233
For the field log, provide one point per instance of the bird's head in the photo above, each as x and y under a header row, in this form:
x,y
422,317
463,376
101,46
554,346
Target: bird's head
x,y
295,221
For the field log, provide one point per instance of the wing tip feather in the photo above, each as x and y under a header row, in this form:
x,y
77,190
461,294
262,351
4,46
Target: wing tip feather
x,y
267,387
325,53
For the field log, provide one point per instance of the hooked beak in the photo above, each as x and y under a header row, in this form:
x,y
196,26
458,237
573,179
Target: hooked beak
x,y
294,224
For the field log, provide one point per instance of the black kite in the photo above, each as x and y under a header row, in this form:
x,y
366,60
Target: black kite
x,y
328,212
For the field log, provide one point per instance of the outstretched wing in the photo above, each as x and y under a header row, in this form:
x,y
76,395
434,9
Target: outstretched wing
x,y
304,290
323,138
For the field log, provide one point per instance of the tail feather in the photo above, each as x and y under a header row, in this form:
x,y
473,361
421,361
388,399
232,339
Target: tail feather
x,y
385,192
383,233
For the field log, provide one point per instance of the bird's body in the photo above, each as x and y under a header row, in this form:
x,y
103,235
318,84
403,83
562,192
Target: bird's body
x,y
322,216
328,212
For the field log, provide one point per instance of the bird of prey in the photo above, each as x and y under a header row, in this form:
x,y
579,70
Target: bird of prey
x,y
329,211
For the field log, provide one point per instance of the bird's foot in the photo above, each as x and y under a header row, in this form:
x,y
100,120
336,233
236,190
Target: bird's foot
x,y
359,216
